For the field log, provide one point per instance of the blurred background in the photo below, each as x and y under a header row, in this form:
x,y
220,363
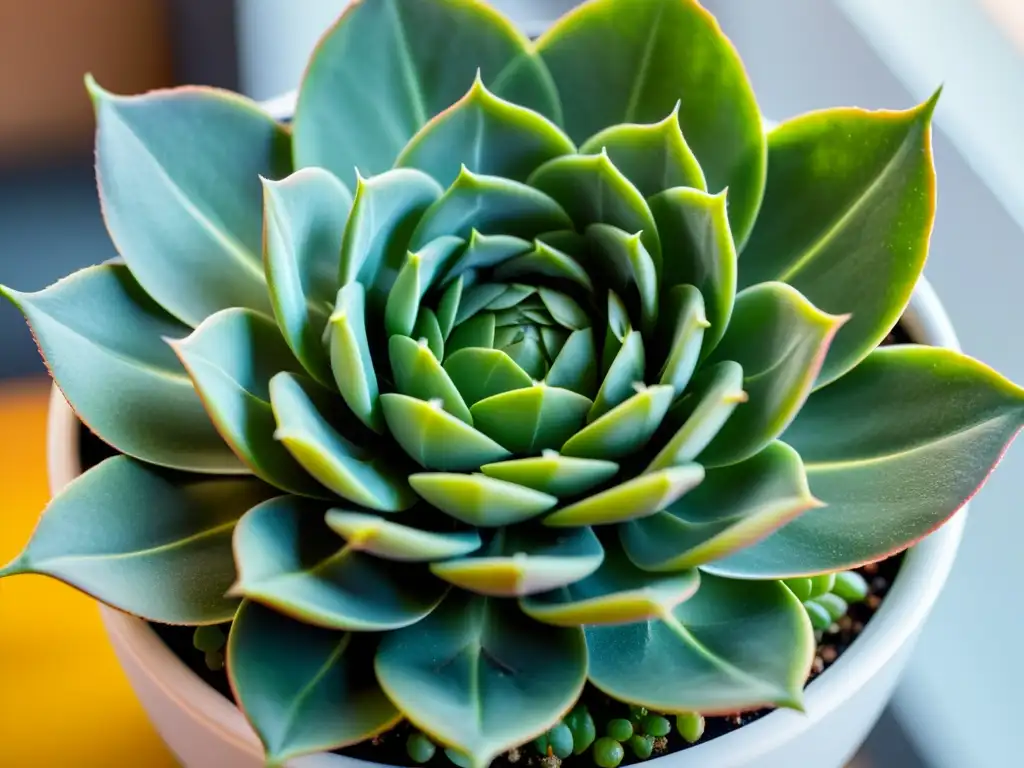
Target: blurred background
x,y
956,707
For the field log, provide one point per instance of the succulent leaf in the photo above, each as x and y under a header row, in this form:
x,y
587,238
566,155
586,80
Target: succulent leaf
x,y
376,78
733,507
893,448
645,67
385,211
626,370
481,500
653,156
428,329
483,252
396,541
703,253
593,191
310,426
179,179
533,419
89,537
481,676
495,137
481,373
231,358
553,474
85,350
418,374
289,560
780,339
321,699
545,261
305,218
642,496
490,205
414,278
850,201
708,638
627,267
475,333
521,561
687,322
616,593
351,362
575,367
624,429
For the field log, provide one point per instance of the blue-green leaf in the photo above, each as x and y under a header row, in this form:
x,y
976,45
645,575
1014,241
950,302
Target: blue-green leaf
x,y
593,191
351,363
685,324
98,329
575,367
624,264
653,55
623,430
309,425
532,419
520,562
477,332
392,540
377,77
414,278
554,474
708,638
90,537
480,500
179,178
418,374
304,217
480,373
290,560
492,206
231,358
653,156
483,252
434,438
545,261
489,135
321,699
626,371
481,676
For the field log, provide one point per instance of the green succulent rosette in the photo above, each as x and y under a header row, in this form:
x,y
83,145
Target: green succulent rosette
x,y
504,367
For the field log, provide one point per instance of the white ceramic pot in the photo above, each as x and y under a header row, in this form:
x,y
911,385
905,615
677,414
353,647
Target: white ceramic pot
x,y
206,730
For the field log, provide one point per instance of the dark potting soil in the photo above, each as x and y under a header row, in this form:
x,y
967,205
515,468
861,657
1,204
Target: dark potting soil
x,y
389,748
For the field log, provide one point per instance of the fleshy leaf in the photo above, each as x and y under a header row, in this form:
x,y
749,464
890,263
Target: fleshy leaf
x,y
708,639
480,500
290,560
157,415
623,430
395,541
484,252
418,374
304,217
321,699
476,299
894,448
385,211
435,438
89,537
479,675
490,135
179,177
351,363
428,329
511,296
653,156
636,498
575,367
520,562
448,307
627,266
627,370
850,201
702,253
491,205
310,427
651,56
593,191
552,473
414,278
780,339
616,593
376,78
545,261
733,508
529,420
477,332
481,373
685,326
231,358
714,394
565,311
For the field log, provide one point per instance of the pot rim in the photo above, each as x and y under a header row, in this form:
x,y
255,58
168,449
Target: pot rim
x,y
901,614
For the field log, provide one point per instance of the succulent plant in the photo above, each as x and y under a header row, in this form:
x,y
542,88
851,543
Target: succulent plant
x,y
504,367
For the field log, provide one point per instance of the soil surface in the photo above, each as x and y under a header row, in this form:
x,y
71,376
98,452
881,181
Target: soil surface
x,y
389,748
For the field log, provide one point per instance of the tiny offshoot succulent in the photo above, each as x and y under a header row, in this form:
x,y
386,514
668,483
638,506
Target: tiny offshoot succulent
x,y
503,367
